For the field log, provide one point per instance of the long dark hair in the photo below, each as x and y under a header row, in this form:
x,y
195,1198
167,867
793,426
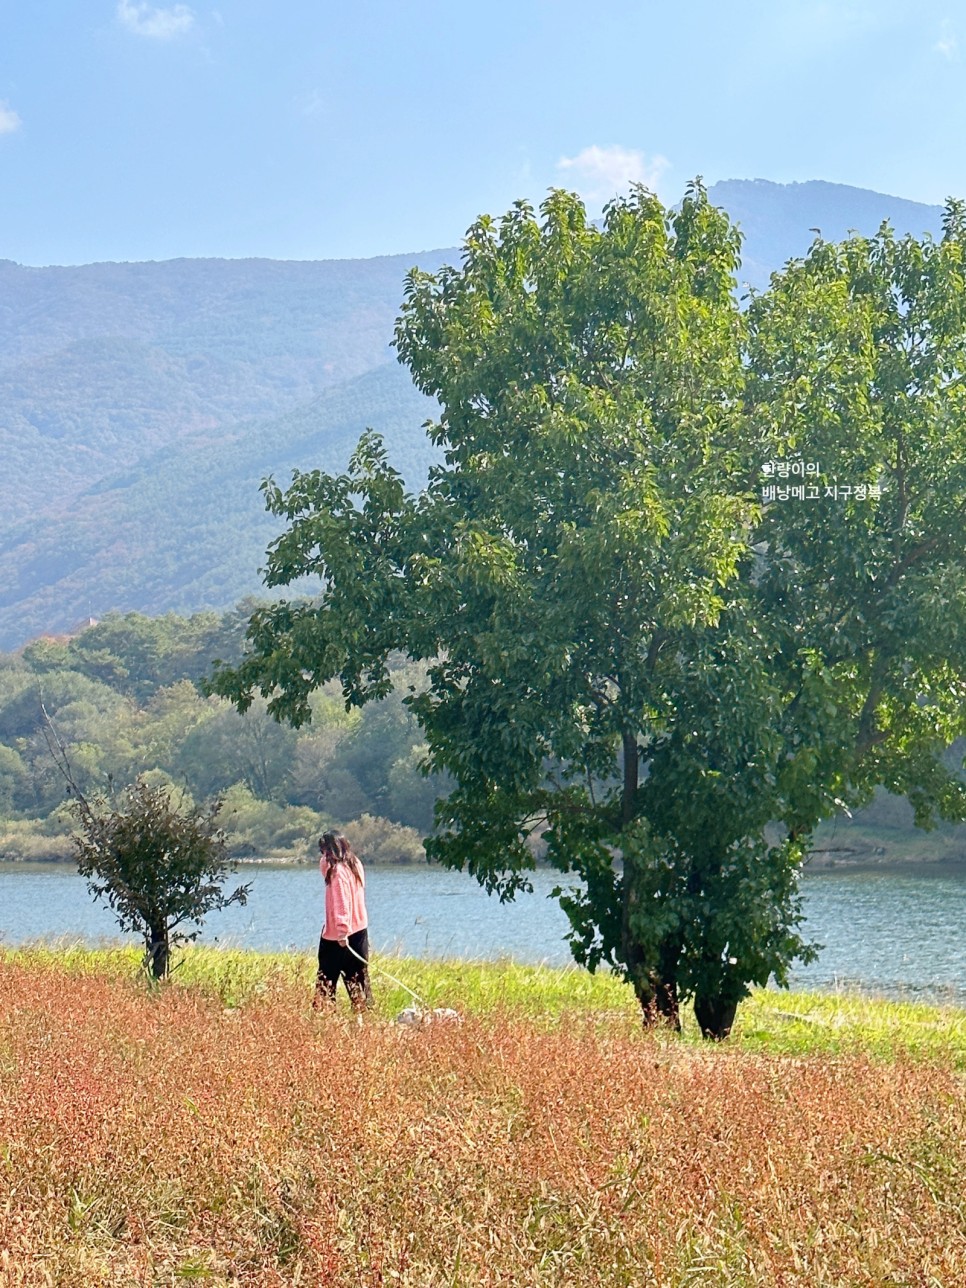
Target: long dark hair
x,y
336,849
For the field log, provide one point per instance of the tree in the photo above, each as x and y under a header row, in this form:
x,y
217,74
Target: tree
x,y
137,655
591,509
838,663
629,654
158,865
226,748
857,357
99,724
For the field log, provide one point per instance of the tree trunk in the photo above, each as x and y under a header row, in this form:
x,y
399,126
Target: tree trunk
x,y
655,983
715,1014
656,988
631,769
159,953
665,984
715,1004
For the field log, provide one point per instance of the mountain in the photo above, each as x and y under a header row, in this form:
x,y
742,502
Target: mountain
x,y
185,527
142,404
778,220
102,366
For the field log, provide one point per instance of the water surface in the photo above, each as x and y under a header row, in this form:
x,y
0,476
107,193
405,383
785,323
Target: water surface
x,y
900,932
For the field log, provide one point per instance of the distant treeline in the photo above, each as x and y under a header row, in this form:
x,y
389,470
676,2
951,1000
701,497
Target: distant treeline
x,y
124,698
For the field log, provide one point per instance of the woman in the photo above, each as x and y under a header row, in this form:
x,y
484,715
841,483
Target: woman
x,y
345,935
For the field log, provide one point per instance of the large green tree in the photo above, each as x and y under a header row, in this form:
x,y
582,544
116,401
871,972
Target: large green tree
x,y
857,359
633,654
591,507
839,662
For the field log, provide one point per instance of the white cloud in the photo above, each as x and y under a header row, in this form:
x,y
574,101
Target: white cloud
x,y
9,120
600,173
948,42
154,23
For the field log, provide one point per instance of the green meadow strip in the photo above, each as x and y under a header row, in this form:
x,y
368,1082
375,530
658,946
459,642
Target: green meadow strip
x,y
769,1022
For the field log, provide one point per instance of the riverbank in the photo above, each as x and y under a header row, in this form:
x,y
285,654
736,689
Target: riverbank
x,y
835,847
895,855
217,1129
852,844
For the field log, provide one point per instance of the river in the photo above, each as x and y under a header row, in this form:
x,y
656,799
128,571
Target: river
x,y
897,931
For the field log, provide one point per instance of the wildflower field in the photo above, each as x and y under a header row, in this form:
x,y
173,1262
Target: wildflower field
x,y
217,1131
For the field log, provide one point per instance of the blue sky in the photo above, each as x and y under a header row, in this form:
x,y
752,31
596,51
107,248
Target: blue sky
x,y
307,129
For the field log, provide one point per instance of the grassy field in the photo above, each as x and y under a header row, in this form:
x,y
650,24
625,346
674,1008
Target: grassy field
x,y
217,1131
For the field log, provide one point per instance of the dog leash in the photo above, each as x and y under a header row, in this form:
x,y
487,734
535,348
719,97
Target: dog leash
x,y
362,959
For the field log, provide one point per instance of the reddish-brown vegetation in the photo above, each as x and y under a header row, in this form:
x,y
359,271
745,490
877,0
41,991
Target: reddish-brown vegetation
x,y
152,1139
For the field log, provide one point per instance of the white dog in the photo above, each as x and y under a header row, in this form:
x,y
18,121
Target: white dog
x,y
439,1015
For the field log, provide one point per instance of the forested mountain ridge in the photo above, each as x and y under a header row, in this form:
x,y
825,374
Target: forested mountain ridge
x,y
102,365
779,220
133,456
186,526
141,404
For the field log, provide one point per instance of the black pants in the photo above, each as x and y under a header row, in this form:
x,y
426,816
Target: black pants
x,y
335,960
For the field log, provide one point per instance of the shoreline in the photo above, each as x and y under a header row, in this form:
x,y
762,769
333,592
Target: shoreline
x,y
852,860
479,986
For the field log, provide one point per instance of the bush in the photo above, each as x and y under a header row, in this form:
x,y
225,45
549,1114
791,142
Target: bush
x,y
262,829
156,862
378,840
33,840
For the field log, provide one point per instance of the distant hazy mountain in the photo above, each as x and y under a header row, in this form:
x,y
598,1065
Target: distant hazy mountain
x,y
103,365
141,404
778,219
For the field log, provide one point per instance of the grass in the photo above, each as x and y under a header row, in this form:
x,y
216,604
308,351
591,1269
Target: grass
x,y
771,1022
217,1131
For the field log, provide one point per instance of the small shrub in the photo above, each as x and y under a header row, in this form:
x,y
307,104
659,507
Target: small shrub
x,y
259,829
33,840
156,863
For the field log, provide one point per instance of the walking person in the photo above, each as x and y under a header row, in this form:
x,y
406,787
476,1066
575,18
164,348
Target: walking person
x,y
345,935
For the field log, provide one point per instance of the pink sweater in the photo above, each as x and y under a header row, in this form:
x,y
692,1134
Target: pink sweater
x,y
345,901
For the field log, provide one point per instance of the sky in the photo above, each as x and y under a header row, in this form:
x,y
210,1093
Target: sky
x,y
307,129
